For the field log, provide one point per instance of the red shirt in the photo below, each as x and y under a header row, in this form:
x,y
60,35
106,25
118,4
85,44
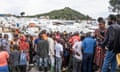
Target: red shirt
x,y
74,39
24,45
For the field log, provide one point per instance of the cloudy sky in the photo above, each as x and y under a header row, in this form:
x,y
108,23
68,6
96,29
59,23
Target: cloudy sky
x,y
93,8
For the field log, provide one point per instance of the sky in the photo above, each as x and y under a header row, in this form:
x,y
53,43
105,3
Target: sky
x,y
93,8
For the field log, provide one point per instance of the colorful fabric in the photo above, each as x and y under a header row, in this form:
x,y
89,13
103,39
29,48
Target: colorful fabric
x,y
99,56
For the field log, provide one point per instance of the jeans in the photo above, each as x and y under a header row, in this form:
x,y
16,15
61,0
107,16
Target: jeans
x,y
52,63
76,65
87,62
58,64
4,69
43,62
52,60
110,60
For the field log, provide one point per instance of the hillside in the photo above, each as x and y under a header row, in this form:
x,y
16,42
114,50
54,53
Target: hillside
x,y
66,13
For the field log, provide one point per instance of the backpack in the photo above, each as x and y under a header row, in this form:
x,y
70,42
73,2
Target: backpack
x,y
23,58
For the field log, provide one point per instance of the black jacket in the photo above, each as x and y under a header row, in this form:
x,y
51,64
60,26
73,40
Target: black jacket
x,y
112,38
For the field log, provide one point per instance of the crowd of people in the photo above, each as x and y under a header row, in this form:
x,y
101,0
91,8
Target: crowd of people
x,y
69,52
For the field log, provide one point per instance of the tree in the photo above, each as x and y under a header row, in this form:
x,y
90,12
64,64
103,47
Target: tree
x,y
22,13
115,5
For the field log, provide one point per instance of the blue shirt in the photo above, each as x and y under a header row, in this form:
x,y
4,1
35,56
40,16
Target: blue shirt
x,y
89,45
37,40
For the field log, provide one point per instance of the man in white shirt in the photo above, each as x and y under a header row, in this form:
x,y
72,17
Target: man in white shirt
x,y
51,53
58,54
77,56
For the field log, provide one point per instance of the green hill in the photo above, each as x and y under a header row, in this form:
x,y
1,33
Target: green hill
x,y
66,13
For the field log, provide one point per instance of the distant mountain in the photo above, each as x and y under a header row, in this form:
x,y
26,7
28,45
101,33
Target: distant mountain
x,y
66,13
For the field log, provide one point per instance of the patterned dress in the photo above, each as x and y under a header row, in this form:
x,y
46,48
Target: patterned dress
x,y
99,52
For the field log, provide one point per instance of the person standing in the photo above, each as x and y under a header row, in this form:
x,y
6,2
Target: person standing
x,y
58,55
31,50
117,41
14,59
72,40
66,53
77,56
36,56
51,53
111,44
42,51
88,46
4,56
6,43
23,61
100,35
36,42
24,53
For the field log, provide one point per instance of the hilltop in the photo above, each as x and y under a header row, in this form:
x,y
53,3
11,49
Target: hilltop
x,y
66,13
